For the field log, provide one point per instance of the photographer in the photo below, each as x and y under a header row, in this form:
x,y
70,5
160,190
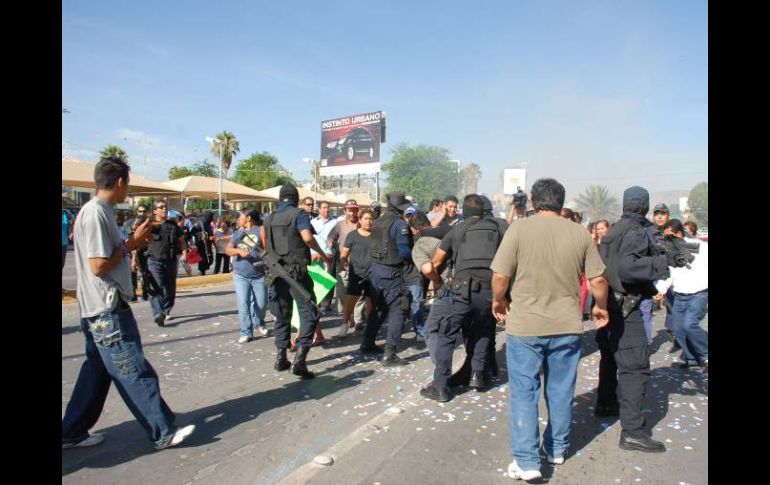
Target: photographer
x,y
519,204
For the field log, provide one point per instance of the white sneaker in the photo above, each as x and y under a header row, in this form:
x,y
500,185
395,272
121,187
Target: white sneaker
x,y
92,440
344,327
169,318
554,461
517,473
180,435
243,339
262,331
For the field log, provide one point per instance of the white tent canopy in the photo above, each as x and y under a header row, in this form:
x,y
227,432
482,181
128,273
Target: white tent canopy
x,y
208,188
77,173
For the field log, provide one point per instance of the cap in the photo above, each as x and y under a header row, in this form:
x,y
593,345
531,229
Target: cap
x,y
351,204
661,208
398,201
410,210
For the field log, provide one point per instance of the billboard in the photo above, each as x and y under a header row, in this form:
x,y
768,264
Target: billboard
x,y
351,145
513,178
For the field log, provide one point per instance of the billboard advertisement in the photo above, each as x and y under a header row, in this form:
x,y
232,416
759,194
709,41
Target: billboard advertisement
x,y
351,145
513,178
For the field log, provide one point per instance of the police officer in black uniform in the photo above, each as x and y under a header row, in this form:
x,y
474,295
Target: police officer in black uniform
x,y
391,251
468,305
634,262
289,236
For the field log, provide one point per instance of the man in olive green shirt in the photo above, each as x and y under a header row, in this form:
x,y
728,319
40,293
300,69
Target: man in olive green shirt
x,y
545,256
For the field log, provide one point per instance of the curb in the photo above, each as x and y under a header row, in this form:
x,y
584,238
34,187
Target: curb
x,y
188,282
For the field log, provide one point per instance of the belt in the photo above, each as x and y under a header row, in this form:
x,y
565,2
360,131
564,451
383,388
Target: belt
x,y
691,294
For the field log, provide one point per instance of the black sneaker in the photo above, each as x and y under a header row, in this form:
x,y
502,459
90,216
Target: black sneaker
x,y
431,392
160,320
645,444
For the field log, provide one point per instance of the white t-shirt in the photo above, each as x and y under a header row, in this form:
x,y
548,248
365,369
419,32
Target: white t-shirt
x,y
97,236
689,280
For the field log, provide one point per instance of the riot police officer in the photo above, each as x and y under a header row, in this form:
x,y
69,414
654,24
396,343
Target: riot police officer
x,y
467,306
633,262
391,251
289,236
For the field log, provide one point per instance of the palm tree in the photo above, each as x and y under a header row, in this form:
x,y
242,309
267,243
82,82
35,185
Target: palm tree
x,y
597,203
114,151
225,146
471,174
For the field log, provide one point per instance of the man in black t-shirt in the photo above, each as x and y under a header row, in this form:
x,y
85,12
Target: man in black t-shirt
x,y
166,241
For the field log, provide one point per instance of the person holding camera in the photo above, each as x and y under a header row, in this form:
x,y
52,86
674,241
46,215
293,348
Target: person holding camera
x,y
166,242
519,204
634,261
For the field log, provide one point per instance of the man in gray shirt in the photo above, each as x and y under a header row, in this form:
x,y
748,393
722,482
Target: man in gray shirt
x,y
113,346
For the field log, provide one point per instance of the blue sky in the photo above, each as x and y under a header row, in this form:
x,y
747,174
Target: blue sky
x,y
592,92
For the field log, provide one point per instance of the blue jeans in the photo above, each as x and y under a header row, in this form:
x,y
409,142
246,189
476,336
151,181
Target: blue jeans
x,y
646,308
164,273
688,311
251,297
558,356
114,354
418,322
668,302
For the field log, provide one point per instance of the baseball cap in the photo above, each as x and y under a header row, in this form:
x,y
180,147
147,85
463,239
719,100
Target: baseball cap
x,y
661,208
410,210
351,204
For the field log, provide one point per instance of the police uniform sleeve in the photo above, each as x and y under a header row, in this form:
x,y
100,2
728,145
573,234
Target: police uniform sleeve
x,y
635,265
400,231
303,222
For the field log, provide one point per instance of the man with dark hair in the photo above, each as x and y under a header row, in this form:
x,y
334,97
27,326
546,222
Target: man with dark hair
x,y
391,251
660,216
449,216
290,237
472,246
166,242
436,209
634,262
544,256
307,205
113,346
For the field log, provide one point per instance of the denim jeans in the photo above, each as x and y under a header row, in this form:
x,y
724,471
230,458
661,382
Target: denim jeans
x,y
418,322
646,308
668,302
114,353
251,297
688,311
164,273
558,356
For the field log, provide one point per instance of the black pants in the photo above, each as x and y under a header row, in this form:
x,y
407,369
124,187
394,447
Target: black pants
x,y
222,258
449,316
624,368
280,298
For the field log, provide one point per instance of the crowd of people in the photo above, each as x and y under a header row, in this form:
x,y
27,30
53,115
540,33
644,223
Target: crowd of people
x,y
451,273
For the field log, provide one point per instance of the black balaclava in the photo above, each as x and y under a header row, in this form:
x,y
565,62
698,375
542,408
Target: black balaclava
x,y
488,211
636,200
289,193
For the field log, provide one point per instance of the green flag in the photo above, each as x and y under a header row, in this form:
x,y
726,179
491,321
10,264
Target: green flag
x,y
323,283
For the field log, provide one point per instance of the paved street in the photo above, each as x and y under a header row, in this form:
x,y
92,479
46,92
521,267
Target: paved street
x,y
256,425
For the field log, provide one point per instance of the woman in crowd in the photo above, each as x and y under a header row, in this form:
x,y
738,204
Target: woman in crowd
x,y
249,274
356,257
222,238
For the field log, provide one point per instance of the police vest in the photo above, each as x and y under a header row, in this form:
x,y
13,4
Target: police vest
x,y
284,240
384,249
475,246
609,251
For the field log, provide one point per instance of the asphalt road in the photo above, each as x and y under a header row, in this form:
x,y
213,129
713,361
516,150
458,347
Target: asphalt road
x,y
256,425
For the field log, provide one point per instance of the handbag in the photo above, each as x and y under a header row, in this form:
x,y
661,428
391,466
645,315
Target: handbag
x,y
193,256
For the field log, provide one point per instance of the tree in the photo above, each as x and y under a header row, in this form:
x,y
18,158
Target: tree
x,y
225,146
422,172
597,203
470,176
202,168
114,151
698,201
261,171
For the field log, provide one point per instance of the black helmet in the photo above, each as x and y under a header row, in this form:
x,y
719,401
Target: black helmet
x,y
289,193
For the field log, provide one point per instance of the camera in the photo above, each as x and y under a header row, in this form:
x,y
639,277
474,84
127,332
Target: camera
x,y
519,198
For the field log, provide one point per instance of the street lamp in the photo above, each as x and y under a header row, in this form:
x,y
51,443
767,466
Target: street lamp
x,y
314,164
214,142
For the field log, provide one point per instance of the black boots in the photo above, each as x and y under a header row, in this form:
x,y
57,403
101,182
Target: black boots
x,y
477,380
369,347
281,362
463,375
298,367
390,359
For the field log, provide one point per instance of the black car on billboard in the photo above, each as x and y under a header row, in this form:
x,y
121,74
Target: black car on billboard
x,y
355,141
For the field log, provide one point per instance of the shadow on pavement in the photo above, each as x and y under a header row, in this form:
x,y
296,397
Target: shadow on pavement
x,y
211,293
127,441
